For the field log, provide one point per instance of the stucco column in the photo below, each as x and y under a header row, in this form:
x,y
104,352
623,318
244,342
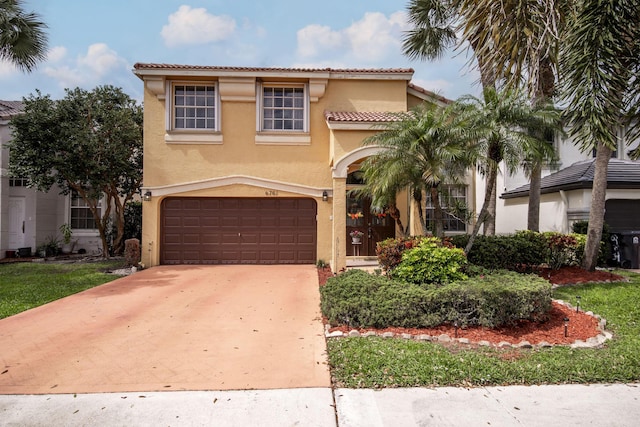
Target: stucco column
x,y
339,256
149,247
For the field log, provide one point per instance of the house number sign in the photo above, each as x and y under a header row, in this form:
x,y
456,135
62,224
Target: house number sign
x,y
271,193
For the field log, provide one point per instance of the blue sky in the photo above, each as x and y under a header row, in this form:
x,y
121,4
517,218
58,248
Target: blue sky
x,y
96,42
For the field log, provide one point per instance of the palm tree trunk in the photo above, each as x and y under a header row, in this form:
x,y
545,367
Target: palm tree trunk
x,y
491,181
437,213
490,219
596,213
533,214
394,213
544,92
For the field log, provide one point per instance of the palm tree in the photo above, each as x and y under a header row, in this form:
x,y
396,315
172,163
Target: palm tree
x,y
422,149
481,23
436,25
23,40
599,68
502,123
522,53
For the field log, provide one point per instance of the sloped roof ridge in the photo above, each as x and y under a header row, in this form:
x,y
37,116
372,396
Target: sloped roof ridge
x,y
10,108
362,116
141,65
621,173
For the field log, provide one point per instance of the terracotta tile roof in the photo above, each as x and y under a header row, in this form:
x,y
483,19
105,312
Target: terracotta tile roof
x,y
151,66
621,174
429,93
9,109
361,116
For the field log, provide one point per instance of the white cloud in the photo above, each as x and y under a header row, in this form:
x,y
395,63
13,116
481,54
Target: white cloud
x,y
89,69
372,39
101,60
56,53
315,39
196,26
7,69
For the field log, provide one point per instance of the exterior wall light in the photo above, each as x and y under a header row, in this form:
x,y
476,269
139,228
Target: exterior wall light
x,y
325,196
147,196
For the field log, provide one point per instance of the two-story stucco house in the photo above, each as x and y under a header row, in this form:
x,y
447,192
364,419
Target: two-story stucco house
x,y
254,165
30,218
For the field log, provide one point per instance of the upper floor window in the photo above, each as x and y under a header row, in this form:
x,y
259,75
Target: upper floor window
x,y
194,107
284,108
81,216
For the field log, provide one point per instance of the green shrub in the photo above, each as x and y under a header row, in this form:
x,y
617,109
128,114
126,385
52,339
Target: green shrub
x,y
431,262
564,249
581,227
518,252
358,299
389,251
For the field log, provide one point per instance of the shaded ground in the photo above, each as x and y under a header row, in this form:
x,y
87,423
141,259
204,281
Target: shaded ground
x,y
580,326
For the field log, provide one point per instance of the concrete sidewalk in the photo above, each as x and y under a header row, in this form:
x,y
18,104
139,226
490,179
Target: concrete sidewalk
x,y
548,406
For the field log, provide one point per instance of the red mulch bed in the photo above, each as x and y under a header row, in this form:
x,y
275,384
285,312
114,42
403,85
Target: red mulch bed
x,y
580,326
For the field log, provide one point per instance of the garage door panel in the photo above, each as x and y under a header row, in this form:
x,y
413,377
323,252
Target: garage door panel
x,y
240,230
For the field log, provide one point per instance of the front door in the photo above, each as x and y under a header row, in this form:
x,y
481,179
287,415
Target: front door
x,y
370,227
16,222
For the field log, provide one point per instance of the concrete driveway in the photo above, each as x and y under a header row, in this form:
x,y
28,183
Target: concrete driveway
x,y
172,328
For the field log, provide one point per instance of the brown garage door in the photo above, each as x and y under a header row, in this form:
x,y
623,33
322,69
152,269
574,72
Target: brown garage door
x,y
238,231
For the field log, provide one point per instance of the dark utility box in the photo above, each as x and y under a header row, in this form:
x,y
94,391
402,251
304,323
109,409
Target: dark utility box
x,y
24,252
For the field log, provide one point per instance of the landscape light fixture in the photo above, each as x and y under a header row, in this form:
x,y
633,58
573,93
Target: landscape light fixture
x,y
566,326
325,196
147,196
578,303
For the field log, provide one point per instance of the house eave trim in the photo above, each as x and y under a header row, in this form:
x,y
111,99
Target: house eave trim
x,y
175,189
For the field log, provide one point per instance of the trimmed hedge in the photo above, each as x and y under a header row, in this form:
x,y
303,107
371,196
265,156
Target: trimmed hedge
x,y
358,299
516,252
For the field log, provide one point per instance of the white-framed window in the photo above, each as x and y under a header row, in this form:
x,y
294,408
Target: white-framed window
x,y
194,106
283,108
453,199
18,182
193,113
80,215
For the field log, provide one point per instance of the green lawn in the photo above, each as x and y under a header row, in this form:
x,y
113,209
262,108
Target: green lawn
x,y
378,362
26,285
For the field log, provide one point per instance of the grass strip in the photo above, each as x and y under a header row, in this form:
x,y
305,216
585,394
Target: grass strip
x,y
377,362
27,285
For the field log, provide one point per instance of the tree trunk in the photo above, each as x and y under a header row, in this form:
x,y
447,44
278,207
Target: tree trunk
x,y
596,213
490,219
394,213
543,93
438,230
533,215
491,181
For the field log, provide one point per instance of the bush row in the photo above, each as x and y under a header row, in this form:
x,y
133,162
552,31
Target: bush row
x,y
358,299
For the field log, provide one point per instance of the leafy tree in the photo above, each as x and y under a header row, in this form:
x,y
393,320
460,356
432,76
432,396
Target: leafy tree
x,y
88,142
600,72
422,149
502,121
23,40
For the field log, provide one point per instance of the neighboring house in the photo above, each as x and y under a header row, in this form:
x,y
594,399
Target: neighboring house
x,y
30,218
254,165
566,193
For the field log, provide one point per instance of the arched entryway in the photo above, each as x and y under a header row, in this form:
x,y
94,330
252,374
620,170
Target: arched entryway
x,y
365,226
